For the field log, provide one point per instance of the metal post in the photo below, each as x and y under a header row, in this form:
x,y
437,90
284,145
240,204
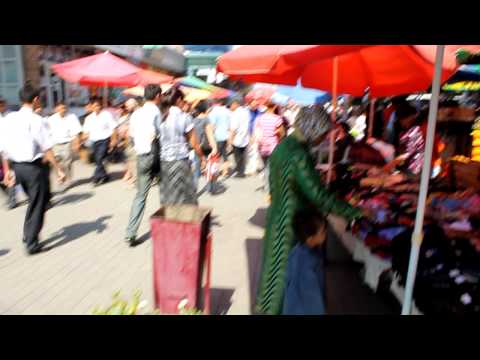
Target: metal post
x,y
371,118
417,236
331,149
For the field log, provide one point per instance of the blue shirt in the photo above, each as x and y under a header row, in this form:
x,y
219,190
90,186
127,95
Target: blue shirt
x,y
253,118
220,118
305,289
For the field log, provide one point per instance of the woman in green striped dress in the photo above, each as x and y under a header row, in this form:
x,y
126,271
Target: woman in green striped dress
x,y
294,185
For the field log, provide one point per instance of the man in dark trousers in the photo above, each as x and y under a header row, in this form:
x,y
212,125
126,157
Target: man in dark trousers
x,y
24,143
142,130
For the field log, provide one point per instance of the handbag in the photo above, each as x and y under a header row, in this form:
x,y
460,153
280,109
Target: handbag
x,y
156,151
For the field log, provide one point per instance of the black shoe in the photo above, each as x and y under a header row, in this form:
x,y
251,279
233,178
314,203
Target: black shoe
x,y
34,249
132,241
11,206
239,176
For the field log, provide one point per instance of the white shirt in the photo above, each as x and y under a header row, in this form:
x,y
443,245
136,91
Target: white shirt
x,y
142,127
24,136
239,124
64,130
99,127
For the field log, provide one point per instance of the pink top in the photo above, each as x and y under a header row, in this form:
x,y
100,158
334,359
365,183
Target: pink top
x,y
267,125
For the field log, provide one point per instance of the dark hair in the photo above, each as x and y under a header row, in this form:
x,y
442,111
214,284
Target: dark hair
x,y
238,100
201,107
28,93
171,97
405,110
307,222
2,100
96,100
151,91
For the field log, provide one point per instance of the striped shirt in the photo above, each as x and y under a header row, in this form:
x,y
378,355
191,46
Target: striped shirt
x,y
266,127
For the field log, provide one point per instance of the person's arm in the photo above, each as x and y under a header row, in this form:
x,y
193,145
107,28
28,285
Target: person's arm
x,y
211,138
309,183
114,137
192,139
9,178
44,140
50,157
233,132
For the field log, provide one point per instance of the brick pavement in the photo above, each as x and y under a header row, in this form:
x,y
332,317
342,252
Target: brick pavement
x,y
88,260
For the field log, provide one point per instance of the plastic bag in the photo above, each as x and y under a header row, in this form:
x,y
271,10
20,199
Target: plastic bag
x,y
213,166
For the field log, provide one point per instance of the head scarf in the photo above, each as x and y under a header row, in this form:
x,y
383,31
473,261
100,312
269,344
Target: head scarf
x,y
312,122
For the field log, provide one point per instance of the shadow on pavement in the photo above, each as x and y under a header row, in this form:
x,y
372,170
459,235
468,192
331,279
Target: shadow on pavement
x,y
80,182
4,252
143,238
254,258
74,232
259,219
220,300
72,199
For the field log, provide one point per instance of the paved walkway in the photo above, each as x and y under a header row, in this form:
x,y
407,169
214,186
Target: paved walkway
x,y
88,260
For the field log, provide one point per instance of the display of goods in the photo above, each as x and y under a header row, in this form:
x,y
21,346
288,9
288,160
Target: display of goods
x,y
476,141
466,175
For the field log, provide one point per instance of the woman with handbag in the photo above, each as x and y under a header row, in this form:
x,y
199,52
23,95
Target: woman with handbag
x,y
206,138
177,134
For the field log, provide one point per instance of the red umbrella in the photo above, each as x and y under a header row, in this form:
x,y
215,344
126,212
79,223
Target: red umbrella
x,y
153,77
387,70
102,69
276,64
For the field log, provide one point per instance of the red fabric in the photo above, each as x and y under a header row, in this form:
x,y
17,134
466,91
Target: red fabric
x,y
101,69
388,70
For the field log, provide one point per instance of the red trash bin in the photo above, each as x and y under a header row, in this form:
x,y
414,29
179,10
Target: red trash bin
x,y
181,247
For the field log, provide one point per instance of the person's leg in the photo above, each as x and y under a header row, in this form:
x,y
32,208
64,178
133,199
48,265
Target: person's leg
x,y
266,173
144,182
101,152
240,160
32,178
197,171
12,198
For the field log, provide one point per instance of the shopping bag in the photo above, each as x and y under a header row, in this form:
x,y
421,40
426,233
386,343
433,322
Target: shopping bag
x,y
213,166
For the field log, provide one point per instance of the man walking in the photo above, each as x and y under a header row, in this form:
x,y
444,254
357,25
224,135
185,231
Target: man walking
x,y
220,118
100,129
24,142
65,129
142,131
11,192
239,137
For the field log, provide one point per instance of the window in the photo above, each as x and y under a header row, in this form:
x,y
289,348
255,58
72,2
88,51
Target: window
x,y
11,72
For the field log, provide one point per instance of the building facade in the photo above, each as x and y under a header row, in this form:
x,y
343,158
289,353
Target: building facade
x,y
19,63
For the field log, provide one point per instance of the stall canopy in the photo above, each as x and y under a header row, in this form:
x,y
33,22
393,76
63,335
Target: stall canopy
x,y
387,70
102,69
304,96
276,64
194,82
467,78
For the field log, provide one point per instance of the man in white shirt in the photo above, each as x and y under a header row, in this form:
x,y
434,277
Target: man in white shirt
x,y
220,118
239,137
142,130
100,128
24,143
65,130
12,200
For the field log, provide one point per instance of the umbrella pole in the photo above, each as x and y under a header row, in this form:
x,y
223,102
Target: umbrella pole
x,y
370,118
331,149
105,95
417,235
